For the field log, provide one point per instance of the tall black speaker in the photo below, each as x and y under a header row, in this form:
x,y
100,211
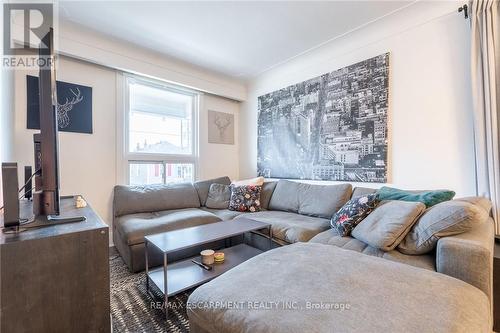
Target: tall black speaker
x,y
28,187
10,188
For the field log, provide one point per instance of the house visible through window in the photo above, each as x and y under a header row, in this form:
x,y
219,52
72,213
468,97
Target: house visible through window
x,y
160,145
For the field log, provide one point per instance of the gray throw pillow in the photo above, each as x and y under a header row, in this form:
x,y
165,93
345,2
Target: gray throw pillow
x,y
203,186
218,196
388,224
478,201
445,219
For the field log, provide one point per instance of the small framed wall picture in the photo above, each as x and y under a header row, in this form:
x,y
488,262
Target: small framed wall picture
x,y
220,127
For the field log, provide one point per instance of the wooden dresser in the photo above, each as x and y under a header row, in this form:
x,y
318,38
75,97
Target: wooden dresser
x,y
56,278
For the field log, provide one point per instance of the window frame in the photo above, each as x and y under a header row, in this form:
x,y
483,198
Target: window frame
x,y
163,158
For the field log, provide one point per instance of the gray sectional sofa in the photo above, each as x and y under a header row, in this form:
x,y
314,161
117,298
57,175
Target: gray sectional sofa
x,y
139,211
294,209
447,290
313,287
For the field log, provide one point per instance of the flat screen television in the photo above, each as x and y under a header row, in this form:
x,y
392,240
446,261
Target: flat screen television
x,y
46,197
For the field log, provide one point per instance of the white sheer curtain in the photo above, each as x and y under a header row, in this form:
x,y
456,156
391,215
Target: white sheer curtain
x,y
485,64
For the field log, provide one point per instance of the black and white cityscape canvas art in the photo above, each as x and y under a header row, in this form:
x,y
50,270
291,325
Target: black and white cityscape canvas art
x,y
74,107
331,127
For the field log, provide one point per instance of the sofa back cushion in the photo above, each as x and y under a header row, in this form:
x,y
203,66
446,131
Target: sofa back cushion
x,y
307,199
285,197
362,191
153,198
266,193
203,186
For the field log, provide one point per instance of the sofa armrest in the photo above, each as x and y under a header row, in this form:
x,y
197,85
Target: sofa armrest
x,y
469,257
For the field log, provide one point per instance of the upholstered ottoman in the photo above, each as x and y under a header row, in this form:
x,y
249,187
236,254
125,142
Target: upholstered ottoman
x,y
310,287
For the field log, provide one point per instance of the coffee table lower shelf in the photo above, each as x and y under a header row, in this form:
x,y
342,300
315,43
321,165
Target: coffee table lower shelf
x,y
183,275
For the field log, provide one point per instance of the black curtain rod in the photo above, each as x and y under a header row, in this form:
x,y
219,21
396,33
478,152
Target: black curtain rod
x,y
464,9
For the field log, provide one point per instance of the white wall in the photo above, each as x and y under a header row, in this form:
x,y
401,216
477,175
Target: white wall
x,y
430,119
88,45
6,119
88,162
6,115
217,160
82,43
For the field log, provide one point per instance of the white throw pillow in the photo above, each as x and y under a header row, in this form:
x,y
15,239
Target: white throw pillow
x,y
258,181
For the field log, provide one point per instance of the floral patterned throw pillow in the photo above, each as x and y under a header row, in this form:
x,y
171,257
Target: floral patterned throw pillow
x,y
245,198
352,213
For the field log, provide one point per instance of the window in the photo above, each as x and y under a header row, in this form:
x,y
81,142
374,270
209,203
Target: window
x,y
141,172
161,133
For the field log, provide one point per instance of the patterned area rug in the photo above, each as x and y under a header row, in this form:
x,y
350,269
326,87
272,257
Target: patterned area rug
x,y
133,310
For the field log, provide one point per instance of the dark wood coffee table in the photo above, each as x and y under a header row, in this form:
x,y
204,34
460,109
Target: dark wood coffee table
x,y
182,275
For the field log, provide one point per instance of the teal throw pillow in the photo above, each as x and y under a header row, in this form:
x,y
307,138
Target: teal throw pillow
x,y
429,198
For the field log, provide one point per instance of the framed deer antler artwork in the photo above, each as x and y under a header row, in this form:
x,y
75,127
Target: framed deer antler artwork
x,y
74,106
220,127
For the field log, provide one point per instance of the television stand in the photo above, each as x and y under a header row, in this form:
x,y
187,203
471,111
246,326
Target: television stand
x,y
43,221
55,274
50,220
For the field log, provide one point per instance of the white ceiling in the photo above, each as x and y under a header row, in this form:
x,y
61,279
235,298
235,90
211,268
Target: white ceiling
x,y
241,39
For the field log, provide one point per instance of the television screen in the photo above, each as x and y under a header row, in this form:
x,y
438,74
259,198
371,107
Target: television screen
x,y
46,195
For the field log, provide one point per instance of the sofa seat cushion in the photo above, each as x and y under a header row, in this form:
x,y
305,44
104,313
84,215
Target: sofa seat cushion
x,y
132,228
335,290
332,237
223,214
290,227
